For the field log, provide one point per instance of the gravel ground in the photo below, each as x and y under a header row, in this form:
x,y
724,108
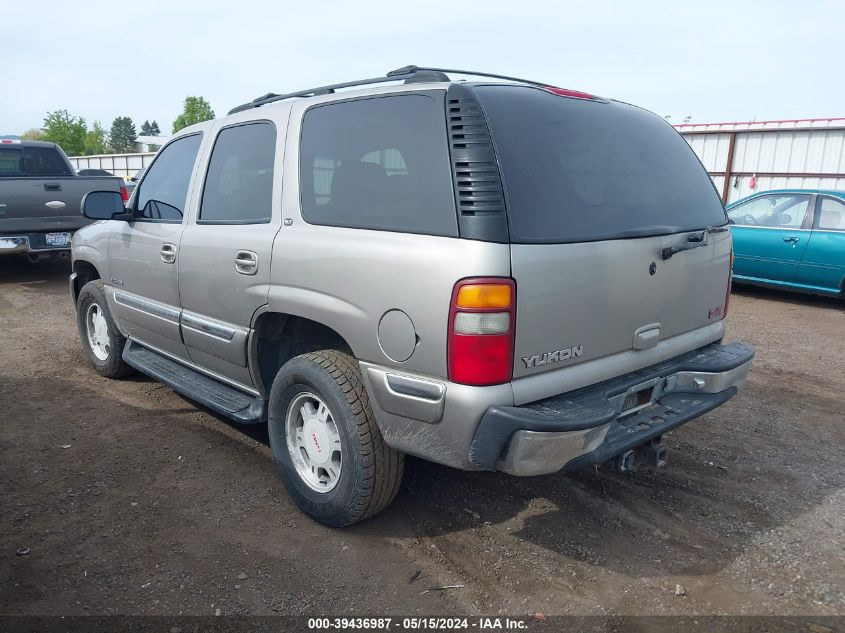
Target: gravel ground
x,y
132,500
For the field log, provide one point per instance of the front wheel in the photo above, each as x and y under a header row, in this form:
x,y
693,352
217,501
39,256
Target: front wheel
x,y
102,341
328,449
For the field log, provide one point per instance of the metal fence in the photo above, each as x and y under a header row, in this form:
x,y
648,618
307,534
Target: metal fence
x,y
123,165
745,158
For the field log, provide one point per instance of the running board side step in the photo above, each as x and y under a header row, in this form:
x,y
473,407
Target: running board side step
x,y
213,394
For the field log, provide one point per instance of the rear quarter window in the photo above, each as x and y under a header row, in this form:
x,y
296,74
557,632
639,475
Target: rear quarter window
x,y
578,170
378,163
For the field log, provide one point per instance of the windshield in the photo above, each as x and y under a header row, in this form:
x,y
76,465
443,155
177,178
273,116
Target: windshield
x,y
577,170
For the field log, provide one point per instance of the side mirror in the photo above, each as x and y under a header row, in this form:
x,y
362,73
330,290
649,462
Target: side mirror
x,y
103,205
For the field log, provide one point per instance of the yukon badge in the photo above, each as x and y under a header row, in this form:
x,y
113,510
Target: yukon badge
x,y
553,357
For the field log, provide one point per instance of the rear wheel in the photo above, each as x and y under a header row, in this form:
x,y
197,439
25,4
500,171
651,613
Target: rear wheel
x,y
102,341
327,446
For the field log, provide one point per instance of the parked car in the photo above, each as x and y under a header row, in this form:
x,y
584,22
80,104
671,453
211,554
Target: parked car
x,y
133,181
791,238
93,172
502,276
40,197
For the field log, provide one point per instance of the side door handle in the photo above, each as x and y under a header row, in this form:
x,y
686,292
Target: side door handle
x,y
246,263
791,240
168,253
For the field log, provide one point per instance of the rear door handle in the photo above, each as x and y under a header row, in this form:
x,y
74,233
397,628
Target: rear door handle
x,y
792,240
52,186
168,253
246,263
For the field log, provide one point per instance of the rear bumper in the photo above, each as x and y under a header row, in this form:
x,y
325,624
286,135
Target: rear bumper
x,y
588,426
28,243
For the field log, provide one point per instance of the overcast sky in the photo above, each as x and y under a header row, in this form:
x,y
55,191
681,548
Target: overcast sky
x,y
713,60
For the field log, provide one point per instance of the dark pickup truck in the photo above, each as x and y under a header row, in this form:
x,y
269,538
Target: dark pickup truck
x,y
40,196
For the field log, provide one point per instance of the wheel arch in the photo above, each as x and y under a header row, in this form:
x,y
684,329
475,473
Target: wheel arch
x,y
277,337
84,272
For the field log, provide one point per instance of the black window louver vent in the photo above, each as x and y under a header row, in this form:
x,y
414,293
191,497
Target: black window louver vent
x,y
478,185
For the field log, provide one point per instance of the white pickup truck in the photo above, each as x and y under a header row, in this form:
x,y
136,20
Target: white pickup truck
x,y
40,196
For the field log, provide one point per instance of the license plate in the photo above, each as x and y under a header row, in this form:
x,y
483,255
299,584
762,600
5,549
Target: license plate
x,y
58,239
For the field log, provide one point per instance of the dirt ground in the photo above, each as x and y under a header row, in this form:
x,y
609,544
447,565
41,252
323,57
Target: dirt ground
x,y
132,500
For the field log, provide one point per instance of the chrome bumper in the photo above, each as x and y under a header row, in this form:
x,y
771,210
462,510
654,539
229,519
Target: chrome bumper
x,y
10,244
13,244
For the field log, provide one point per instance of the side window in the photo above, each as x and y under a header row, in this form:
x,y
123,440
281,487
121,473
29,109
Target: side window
x,y
777,211
239,185
378,163
831,214
44,161
163,192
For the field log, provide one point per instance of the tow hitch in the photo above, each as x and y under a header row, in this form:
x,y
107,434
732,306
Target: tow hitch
x,y
625,463
655,452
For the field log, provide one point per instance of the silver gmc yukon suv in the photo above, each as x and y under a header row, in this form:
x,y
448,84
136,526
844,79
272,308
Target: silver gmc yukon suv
x,y
497,275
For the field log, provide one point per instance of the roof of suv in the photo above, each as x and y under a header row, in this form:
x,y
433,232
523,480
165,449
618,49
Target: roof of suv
x,y
413,77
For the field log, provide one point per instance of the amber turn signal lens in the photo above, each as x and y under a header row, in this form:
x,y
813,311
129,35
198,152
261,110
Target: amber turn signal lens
x,y
484,296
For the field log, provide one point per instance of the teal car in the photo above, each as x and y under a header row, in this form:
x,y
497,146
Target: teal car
x,y
792,239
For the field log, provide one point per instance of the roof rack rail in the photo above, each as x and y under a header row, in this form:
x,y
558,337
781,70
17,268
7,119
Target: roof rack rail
x,y
408,73
416,69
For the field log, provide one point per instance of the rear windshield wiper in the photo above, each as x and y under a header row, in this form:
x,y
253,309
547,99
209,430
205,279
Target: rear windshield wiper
x,y
694,240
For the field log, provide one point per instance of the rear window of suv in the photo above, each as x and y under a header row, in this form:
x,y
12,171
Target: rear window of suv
x,y
577,170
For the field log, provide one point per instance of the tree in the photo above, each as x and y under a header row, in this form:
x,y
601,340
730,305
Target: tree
x,y
33,134
95,140
122,136
195,110
154,129
66,130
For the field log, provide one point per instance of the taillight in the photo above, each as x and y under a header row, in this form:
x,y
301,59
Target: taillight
x,y
124,193
566,92
482,321
730,283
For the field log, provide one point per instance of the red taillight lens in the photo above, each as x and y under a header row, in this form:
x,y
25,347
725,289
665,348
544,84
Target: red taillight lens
x,y
124,193
730,283
482,322
566,92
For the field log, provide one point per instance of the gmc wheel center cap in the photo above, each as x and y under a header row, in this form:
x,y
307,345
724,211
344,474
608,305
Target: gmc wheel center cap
x,y
316,441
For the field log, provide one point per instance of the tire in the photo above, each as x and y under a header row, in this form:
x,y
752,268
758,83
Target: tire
x,y
369,473
107,357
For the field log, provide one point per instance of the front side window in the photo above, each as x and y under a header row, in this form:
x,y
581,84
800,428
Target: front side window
x,y
239,184
163,193
832,215
786,211
379,163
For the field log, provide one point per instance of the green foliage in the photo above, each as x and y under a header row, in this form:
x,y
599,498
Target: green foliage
x,y
95,140
150,129
154,129
122,135
66,130
33,134
195,110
